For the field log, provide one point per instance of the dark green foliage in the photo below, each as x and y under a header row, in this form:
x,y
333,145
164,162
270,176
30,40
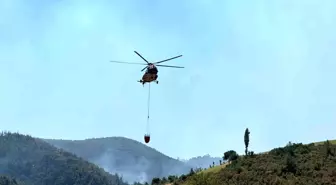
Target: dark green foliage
x,y
291,149
203,179
290,166
246,140
172,178
182,177
230,155
36,162
192,172
156,181
164,180
293,164
250,153
328,151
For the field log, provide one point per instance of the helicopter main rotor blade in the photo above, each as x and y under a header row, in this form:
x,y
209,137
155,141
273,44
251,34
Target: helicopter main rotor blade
x,y
128,62
141,57
167,59
144,68
169,66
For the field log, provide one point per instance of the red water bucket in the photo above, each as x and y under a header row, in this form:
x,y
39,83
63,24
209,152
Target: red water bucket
x,y
147,138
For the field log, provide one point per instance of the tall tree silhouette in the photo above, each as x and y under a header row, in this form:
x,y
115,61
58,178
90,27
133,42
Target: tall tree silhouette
x,y
246,140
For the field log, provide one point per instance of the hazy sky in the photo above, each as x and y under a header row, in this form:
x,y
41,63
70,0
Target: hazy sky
x,y
266,65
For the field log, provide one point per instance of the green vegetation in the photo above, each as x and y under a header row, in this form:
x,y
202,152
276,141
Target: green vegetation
x,y
35,162
333,142
30,161
298,164
230,155
214,169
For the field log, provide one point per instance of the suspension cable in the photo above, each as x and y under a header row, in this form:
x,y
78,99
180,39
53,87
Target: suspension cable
x,y
148,105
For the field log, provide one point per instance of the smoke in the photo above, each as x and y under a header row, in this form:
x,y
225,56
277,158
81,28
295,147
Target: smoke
x,y
131,170
138,168
119,156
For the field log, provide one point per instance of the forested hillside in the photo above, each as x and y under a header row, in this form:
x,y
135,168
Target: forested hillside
x,y
299,164
29,161
35,162
132,159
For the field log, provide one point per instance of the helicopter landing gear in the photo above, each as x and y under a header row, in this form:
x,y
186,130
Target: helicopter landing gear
x,y
143,82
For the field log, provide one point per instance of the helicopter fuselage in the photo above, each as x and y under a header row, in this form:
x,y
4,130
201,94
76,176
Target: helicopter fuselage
x,y
150,75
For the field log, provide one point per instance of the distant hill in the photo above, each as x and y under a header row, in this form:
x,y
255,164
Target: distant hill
x,y
35,162
202,161
132,159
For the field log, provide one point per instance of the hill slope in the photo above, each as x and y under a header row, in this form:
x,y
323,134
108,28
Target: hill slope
x,y
132,159
333,142
202,161
4,180
36,162
293,164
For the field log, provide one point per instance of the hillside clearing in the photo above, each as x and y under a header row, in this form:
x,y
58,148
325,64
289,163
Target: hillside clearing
x,y
214,169
333,142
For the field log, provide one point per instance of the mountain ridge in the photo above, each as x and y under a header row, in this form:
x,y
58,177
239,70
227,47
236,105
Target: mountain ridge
x,y
35,162
133,159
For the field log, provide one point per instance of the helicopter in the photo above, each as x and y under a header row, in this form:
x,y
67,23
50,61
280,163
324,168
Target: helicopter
x,y
151,73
